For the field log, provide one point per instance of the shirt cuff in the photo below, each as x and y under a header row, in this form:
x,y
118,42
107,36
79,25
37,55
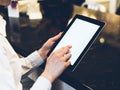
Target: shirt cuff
x,y
35,59
42,84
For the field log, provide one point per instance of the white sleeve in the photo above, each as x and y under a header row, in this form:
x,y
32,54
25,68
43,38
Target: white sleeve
x,y
6,74
42,84
31,61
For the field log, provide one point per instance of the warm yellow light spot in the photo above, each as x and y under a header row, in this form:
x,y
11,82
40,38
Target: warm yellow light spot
x,y
102,40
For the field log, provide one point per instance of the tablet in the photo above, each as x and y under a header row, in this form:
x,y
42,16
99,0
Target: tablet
x,y
80,33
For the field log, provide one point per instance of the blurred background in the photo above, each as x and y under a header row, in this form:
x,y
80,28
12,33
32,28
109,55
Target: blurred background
x,y
109,6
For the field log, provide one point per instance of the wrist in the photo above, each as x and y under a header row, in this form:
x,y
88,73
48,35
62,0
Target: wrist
x,y
48,76
41,54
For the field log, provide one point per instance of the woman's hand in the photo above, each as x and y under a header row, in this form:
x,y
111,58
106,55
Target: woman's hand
x,y
43,51
56,63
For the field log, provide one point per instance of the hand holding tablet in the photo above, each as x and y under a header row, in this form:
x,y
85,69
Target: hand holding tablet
x,y
80,33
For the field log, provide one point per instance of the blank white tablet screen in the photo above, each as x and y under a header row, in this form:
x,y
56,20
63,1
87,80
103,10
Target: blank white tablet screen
x,y
78,35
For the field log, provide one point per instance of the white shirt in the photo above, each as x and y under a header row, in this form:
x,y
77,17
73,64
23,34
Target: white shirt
x,y
14,67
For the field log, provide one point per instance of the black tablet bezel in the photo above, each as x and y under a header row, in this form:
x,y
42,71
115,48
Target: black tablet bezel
x,y
88,19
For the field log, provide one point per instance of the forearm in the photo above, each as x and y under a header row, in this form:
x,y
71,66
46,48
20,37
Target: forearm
x,y
42,84
32,61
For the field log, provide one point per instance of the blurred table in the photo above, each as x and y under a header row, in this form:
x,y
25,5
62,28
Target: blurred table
x,y
99,69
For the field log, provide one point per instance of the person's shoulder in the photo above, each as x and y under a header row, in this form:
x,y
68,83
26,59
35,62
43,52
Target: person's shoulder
x,y
1,17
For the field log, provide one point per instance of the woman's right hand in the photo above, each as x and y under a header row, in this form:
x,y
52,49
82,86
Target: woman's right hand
x,y
57,62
